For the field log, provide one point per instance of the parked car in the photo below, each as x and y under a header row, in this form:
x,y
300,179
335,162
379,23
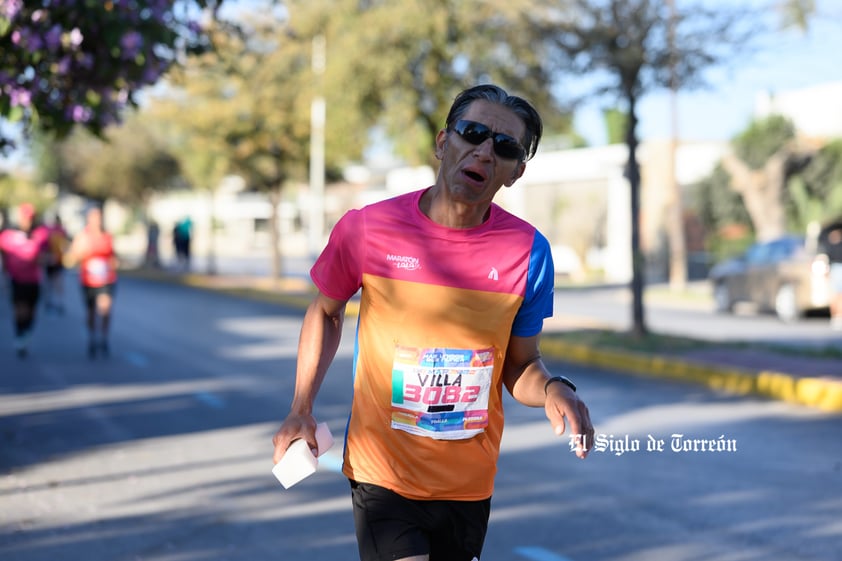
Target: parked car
x,y
787,276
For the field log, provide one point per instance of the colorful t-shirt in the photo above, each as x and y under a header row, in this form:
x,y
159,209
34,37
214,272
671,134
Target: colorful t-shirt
x,y
438,307
96,259
20,253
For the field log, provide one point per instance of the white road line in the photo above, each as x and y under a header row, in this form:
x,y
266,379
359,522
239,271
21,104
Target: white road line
x,y
539,554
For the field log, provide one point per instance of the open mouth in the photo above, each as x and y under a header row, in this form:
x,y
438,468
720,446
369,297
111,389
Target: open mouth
x,y
474,176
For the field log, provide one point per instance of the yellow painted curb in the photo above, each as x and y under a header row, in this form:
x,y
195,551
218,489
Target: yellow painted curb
x,y
824,394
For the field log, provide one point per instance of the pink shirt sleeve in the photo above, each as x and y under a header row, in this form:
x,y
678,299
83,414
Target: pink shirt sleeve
x,y
338,271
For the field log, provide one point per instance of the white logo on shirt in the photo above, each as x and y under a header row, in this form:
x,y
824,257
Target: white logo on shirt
x,y
493,274
404,262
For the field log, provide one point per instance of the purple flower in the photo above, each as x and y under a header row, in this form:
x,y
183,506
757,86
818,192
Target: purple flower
x,y
19,97
86,61
16,37
152,72
52,38
34,43
10,8
63,66
80,114
131,44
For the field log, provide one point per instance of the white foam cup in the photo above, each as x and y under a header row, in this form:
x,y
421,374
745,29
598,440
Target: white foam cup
x,y
323,438
298,461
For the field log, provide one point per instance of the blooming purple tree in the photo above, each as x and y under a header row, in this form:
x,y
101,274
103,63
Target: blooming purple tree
x,y
67,62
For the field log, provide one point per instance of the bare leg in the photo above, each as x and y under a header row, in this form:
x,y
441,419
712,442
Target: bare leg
x,y
836,311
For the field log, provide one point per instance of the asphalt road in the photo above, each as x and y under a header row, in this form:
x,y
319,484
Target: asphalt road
x,y
162,452
692,315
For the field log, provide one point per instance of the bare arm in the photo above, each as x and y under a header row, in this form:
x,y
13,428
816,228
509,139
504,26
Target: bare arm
x,y
71,256
321,332
526,376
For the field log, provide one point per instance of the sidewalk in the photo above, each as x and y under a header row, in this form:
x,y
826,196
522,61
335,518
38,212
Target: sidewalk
x,y
814,382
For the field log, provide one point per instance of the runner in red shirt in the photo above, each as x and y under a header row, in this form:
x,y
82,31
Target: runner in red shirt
x,y
93,250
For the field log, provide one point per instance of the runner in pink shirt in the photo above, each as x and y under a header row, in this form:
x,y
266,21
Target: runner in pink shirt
x,y
22,248
454,291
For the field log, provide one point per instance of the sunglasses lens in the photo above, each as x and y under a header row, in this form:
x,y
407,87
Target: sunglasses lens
x,y
476,133
507,147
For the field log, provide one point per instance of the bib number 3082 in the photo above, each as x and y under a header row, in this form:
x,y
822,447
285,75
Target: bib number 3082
x,y
440,395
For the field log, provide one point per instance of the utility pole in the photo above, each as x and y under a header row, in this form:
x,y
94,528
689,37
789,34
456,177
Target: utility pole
x,y
675,215
317,149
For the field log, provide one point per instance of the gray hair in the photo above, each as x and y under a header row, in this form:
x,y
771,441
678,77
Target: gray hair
x,y
495,94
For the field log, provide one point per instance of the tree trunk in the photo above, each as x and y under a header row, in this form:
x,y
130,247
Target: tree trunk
x,y
761,191
675,221
275,233
633,175
211,266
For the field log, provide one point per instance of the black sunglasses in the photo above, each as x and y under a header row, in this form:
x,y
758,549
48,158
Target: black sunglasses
x,y
475,133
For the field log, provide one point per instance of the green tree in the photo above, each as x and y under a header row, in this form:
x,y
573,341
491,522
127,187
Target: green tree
x,y
398,65
244,107
17,187
814,194
633,47
759,165
615,125
723,215
193,111
127,163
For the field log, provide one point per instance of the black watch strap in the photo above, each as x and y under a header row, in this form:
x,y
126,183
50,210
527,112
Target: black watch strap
x,y
563,379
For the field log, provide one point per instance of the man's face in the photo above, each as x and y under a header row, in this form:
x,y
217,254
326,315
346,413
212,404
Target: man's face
x,y
472,174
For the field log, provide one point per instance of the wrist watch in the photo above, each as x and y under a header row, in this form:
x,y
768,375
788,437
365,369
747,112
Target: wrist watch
x,y
563,379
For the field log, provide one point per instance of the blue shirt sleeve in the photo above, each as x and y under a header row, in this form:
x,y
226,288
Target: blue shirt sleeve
x,y
540,289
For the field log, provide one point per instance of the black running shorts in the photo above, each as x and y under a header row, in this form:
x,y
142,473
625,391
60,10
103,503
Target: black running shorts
x,y
391,527
25,293
90,293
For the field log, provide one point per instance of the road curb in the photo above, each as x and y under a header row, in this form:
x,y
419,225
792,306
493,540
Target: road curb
x,y
824,394
820,393
269,291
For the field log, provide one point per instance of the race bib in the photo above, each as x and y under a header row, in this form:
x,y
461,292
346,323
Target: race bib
x,y
441,393
97,269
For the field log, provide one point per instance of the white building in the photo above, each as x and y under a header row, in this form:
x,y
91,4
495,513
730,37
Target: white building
x,y
816,111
